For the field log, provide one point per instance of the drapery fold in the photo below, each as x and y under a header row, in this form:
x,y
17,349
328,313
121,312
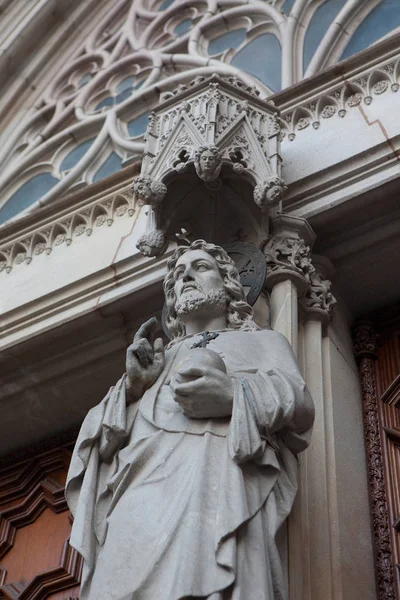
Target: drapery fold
x,y
240,469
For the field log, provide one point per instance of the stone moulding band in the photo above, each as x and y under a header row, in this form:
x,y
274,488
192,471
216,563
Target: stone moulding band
x,y
102,211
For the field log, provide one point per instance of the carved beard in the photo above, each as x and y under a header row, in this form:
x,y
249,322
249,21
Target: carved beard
x,y
194,300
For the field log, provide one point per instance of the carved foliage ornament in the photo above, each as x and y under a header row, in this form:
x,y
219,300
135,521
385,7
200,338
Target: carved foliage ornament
x,y
289,254
365,350
319,295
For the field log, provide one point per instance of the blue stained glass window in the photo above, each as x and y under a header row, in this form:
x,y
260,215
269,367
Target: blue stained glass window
x,y
183,27
287,6
166,4
84,80
231,39
138,126
126,84
31,191
262,58
381,20
318,26
75,155
111,165
124,95
109,101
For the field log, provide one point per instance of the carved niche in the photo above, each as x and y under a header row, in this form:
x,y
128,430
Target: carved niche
x,y
204,129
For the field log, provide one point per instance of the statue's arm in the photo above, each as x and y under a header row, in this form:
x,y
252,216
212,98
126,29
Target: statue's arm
x,y
271,401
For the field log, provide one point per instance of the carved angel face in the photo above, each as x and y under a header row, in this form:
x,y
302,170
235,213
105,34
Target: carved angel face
x,y
141,188
208,162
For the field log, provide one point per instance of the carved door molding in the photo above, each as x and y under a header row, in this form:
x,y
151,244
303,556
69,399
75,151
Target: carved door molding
x,y
377,350
32,495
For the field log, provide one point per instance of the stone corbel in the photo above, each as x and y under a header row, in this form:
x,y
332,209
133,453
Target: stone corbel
x,y
149,190
270,192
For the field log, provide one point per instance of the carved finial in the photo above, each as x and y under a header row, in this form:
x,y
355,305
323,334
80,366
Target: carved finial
x,y
148,190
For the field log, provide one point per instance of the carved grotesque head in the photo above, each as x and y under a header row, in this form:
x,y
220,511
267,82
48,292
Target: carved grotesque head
x,y
153,243
208,162
202,275
270,192
148,190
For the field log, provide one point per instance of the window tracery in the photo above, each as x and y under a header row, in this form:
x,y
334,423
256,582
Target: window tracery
x,y
91,119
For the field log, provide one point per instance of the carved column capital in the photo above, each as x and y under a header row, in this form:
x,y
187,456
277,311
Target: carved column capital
x,y
288,252
365,341
319,300
288,258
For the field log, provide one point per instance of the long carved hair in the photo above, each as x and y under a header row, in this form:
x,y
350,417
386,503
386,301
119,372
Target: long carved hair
x,y
239,313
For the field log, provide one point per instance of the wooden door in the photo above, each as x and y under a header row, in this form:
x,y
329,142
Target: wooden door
x,y
36,560
377,348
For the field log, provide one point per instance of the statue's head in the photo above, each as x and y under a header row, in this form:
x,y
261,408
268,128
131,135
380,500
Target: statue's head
x,y
207,162
202,278
148,190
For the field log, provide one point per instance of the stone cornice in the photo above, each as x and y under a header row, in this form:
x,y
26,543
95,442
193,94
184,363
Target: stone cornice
x,y
65,219
359,65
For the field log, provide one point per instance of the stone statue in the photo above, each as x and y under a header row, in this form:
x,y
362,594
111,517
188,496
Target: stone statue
x,y
182,477
208,162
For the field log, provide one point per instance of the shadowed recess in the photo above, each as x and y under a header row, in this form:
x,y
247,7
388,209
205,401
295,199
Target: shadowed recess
x,y
383,19
29,193
138,125
318,26
111,165
232,39
75,155
262,58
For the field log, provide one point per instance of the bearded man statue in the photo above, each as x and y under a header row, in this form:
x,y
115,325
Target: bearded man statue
x,y
183,475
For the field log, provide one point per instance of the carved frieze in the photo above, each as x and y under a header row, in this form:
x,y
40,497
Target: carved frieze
x,y
103,211
365,350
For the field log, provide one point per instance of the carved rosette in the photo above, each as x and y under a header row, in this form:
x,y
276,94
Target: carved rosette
x,y
365,350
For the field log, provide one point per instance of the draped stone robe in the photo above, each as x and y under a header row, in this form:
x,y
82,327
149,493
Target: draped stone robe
x,y
168,507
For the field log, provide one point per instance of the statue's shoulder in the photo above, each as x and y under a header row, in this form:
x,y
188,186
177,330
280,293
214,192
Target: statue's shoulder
x,y
263,337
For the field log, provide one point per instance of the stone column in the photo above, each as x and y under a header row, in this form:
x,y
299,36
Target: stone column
x,y
287,254
295,285
315,465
